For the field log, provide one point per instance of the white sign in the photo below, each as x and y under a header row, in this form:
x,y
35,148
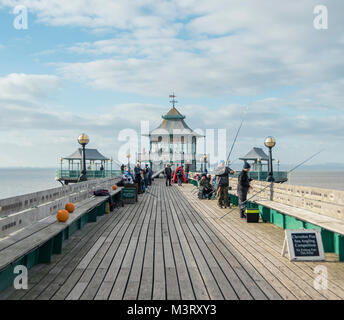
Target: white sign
x,y
303,245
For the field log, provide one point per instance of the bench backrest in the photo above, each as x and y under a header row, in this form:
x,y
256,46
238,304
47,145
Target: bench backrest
x,y
21,211
327,202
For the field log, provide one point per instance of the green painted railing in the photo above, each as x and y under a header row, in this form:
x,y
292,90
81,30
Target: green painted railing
x,y
91,174
262,176
280,176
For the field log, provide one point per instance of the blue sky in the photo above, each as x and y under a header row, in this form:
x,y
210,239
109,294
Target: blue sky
x,y
101,67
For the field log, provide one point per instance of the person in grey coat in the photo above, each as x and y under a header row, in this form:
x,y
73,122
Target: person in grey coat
x,y
242,189
222,184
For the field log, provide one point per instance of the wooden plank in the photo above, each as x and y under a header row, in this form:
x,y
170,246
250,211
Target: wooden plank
x,y
76,276
196,279
276,261
113,259
222,267
172,283
209,279
96,266
62,272
77,244
173,246
147,278
159,285
119,287
185,285
263,273
133,283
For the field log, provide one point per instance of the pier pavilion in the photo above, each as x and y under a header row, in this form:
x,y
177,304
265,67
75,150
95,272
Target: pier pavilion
x,y
173,141
97,166
259,163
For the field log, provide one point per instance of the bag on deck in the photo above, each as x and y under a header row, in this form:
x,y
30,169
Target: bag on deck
x,y
101,193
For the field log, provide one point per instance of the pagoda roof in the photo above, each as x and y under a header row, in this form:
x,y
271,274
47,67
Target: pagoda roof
x,y
90,154
173,114
255,154
173,123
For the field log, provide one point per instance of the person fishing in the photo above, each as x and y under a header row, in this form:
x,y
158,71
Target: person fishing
x,y
205,187
168,174
179,176
222,173
271,185
242,189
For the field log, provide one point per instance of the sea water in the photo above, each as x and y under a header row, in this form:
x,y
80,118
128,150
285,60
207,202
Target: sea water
x,y
14,182
320,179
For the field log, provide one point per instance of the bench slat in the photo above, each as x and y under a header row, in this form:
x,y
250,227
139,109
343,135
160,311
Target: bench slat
x,y
329,223
20,248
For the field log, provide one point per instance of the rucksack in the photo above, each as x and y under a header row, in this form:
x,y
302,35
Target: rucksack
x,y
101,193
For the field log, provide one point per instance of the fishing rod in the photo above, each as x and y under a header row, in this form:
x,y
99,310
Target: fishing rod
x,y
151,194
235,139
236,136
305,161
268,186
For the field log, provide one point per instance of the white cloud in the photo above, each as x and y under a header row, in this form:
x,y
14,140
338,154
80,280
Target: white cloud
x,y
228,48
199,49
29,87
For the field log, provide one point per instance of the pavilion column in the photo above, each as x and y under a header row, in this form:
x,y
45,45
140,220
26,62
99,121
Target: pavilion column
x,y
149,153
193,153
170,148
182,141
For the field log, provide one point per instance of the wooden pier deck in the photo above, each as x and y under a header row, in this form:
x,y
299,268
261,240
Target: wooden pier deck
x,y
170,245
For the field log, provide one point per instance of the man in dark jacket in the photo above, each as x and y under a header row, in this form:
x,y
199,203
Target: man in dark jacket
x,y
137,175
222,184
242,189
168,175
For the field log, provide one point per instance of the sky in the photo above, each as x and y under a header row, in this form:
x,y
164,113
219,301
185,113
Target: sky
x,y
102,66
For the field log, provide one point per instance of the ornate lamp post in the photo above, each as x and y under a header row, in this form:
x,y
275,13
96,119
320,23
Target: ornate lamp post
x,y
128,156
270,142
83,140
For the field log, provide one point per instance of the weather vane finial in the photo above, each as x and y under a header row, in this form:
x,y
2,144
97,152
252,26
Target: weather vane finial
x,y
173,101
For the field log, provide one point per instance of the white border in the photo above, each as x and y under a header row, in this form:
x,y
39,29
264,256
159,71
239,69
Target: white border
x,y
288,240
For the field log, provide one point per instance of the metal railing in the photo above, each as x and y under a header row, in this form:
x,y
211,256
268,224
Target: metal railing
x,y
91,174
262,176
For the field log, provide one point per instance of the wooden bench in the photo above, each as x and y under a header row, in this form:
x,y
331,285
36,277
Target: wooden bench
x,y
36,243
289,217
